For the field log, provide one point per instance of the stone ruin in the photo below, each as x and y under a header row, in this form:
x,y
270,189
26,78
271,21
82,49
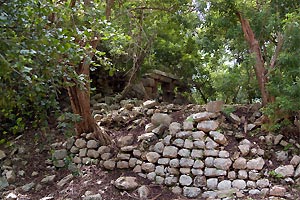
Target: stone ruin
x,y
154,85
190,157
167,82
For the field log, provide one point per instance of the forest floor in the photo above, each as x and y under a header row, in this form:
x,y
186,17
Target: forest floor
x,y
29,155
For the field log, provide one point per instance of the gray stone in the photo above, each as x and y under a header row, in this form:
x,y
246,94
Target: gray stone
x,y
242,174
151,176
3,183
198,135
231,175
159,130
198,117
11,196
177,190
80,143
218,137
125,140
170,152
173,171
92,144
209,162
149,127
188,125
184,153
185,180
92,153
10,176
160,170
222,163
171,180
93,197
74,150
277,139
161,119
143,192
281,155
213,172
152,157
285,171
128,148
48,179
239,184
174,163
224,154
109,164
199,144
278,191
167,140
295,160
297,172
122,165
159,180
82,152
254,192
257,163
174,128
59,163
200,181
196,153
224,185
184,134
210,144
137,153
263,183
191,192
132,162
28,186
240,163
209,195
2,155
150,104
214,153
65,180
212,183
198,164
103,149
235,118
159,147
123,156
254,175
188,144
163,161
59,154
185,170
197,172
178,142
251,184
207,126
244,149
214,106
148,167
126,183
106,156
186,162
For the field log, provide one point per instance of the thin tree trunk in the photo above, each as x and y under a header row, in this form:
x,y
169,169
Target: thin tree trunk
x,y
80,101
260,70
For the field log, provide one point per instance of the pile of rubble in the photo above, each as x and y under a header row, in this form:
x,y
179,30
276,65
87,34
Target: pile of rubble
x,y
192,157
200,152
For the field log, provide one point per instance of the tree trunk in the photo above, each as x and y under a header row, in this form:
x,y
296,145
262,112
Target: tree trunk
x,y
80,101
260,70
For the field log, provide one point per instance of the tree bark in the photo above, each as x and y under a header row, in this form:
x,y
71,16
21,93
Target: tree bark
x,y
260,70
80,101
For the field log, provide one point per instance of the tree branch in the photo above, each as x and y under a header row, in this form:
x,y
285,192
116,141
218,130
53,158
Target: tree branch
x,y
277,50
